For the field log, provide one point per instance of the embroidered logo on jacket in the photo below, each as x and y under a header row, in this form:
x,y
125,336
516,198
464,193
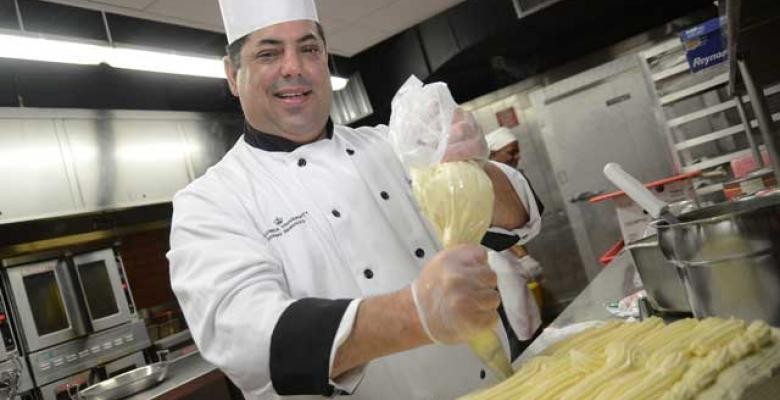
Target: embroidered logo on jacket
x,y
283,226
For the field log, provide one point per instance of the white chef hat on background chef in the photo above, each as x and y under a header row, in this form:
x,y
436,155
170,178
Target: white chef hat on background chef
x,y
499,138
242,17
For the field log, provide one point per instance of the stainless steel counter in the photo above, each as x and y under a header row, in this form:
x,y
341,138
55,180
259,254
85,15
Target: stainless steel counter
x,y
613,283
180,372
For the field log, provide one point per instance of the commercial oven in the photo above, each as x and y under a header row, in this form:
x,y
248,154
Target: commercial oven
x,y
70,312
60,299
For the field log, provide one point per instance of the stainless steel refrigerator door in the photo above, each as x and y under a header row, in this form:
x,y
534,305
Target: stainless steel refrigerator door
x,y
601,115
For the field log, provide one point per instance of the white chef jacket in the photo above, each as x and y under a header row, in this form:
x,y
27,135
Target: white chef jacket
x,y
265,243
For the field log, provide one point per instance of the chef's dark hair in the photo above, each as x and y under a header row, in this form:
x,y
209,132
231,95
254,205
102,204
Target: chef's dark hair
x,y
234,49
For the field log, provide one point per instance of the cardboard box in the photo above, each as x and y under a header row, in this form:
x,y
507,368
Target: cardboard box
x,y
705,44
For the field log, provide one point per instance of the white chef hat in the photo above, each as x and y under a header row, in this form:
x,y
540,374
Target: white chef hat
x,y
242,17
499,138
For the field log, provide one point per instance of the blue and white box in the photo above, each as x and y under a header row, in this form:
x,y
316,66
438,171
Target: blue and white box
x,y
705,44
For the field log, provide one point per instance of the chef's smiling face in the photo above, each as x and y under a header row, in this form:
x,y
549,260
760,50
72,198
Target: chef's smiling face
x,y
283,81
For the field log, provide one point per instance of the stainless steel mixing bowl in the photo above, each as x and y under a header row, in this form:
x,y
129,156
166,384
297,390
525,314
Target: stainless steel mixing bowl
x,y
730,255
662,279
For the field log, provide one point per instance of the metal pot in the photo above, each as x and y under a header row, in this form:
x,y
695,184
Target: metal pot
x,y
662,279
125,384
730,254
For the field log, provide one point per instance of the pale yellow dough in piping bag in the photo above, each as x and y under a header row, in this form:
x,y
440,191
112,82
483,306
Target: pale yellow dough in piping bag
x,y
456,197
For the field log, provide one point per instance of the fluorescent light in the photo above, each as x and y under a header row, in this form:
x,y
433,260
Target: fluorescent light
x,y
40,49
71,52
338,83
156,61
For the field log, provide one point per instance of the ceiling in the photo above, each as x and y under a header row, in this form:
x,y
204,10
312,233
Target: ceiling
x,y
351,26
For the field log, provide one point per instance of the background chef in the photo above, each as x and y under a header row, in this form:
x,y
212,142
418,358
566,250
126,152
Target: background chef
x,y
505,148
293,258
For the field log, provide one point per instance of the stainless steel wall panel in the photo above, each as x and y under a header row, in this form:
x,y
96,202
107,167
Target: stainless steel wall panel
x,y
125,162
32,174
57,162
208,140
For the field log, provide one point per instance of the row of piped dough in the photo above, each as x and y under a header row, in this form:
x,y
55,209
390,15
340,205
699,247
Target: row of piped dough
x,y
647,360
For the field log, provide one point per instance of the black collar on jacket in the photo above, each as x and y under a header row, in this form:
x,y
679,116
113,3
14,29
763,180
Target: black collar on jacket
x,y
268,142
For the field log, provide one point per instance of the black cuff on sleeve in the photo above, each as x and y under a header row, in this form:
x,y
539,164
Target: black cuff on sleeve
x,y
301,344
499,241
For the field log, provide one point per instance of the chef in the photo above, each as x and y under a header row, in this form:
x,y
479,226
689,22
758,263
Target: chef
x,y
301,261
505,149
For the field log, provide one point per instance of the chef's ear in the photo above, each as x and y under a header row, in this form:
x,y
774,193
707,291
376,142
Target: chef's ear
x,y
231,72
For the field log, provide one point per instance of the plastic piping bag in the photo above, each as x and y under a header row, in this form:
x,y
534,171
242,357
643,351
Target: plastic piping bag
x,y
456,197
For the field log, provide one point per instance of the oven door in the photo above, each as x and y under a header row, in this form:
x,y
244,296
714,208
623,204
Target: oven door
x,y
46,303
101,287
67,388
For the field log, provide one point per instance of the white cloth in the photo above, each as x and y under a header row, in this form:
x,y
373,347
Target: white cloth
x,y
499,138
242,17
237,261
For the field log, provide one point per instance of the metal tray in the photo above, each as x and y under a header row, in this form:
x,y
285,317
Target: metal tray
x,y
125,384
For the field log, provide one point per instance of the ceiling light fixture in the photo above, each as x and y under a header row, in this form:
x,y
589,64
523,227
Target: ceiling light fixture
x,y
338,83
35,48
50,50
155,61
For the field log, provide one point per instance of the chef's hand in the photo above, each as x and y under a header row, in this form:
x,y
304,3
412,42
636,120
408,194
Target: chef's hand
x,y
455,295
466,141
529,268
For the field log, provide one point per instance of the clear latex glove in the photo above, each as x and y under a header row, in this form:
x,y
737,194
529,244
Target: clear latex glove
x,y
466,141
455,295
529,268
